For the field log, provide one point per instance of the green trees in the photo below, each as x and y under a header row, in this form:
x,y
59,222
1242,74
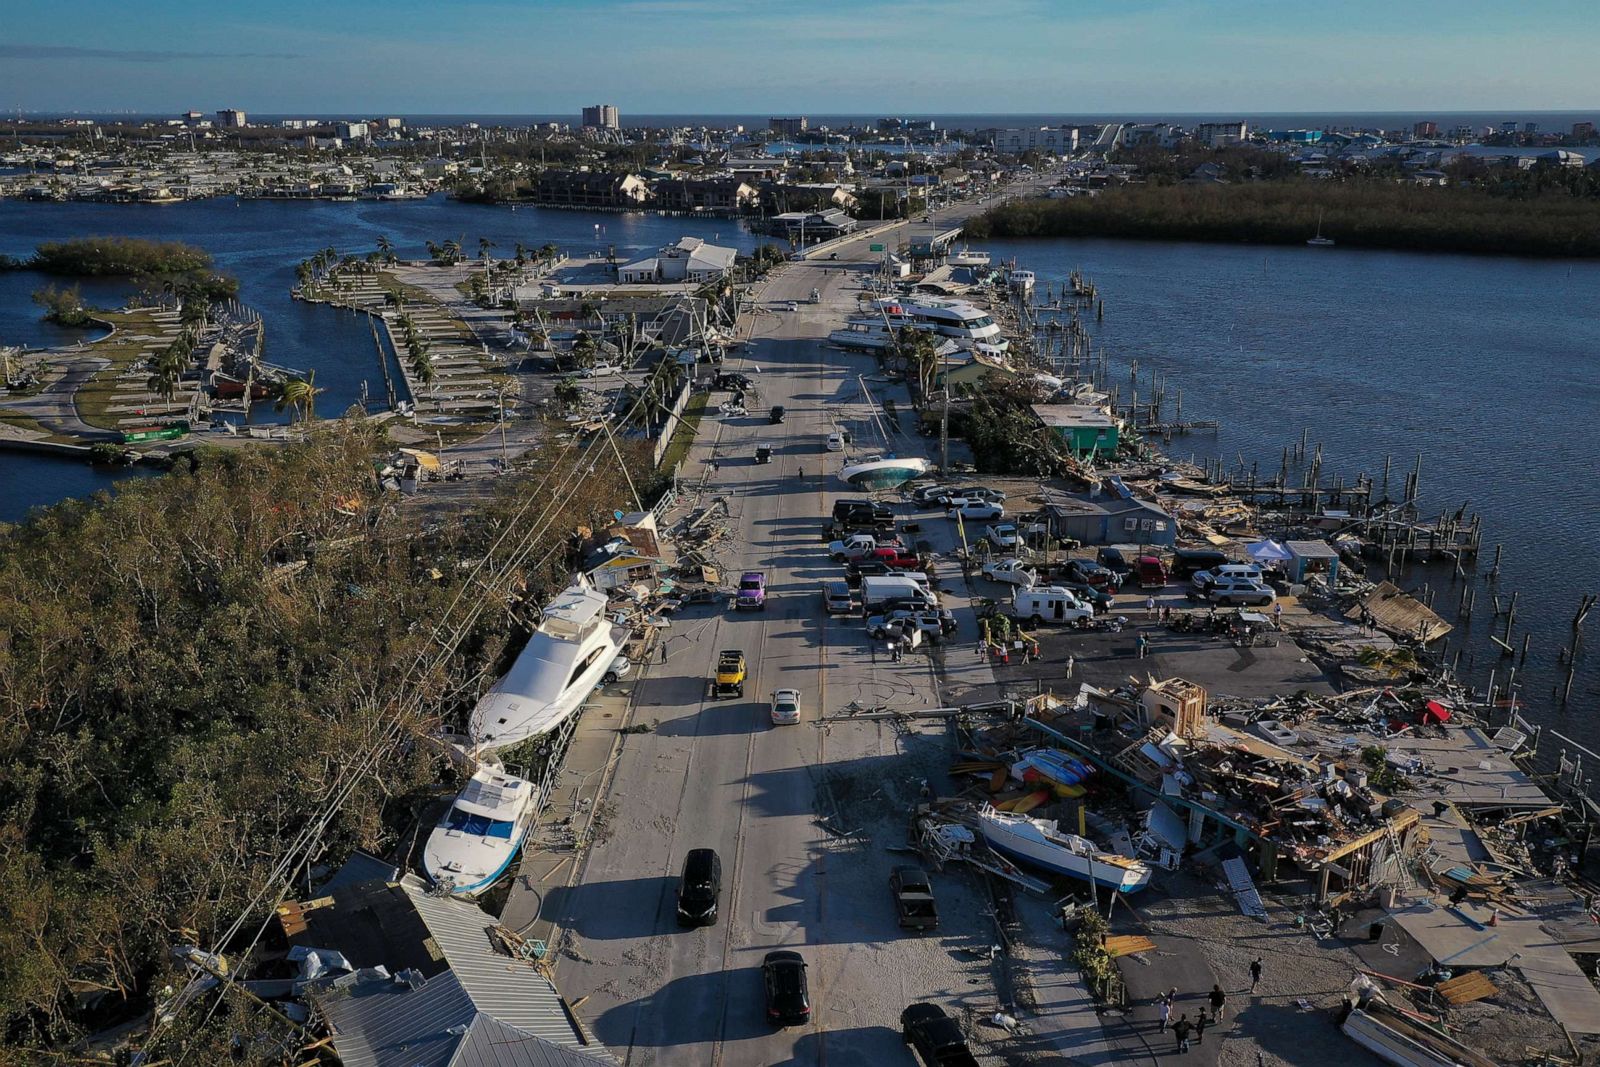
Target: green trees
x,y
62,306
386,249
167,367
584,349
919,352
1359,213
118,256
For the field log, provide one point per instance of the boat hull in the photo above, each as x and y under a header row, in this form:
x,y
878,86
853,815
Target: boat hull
x,y
1041,854
884,473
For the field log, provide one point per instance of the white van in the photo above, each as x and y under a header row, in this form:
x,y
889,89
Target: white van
x,y
880,589
1050,604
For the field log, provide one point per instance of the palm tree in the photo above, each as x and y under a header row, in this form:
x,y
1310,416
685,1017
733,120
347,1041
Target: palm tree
x,y
451,251
583,349
522,255
484,244
299,395
386,248
302,274
433,251
567,392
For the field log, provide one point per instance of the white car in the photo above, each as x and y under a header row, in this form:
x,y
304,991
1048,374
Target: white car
x,y
1003,534
836,442
621,667
785,707
1245,571
599,370
975,509
1240,591
1012,572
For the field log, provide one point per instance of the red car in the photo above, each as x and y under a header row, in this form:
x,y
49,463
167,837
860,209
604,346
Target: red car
x,y
893,558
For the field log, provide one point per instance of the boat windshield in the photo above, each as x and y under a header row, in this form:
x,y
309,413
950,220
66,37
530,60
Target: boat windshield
x,y
479,825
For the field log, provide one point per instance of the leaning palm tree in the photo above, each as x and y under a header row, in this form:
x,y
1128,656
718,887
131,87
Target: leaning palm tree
x,y
385,248
299,395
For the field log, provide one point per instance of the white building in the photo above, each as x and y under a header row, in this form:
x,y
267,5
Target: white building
x,y
228,118
1056,140
689,260
1218,134
353,131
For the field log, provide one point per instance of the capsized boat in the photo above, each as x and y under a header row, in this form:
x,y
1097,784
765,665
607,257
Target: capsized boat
x,y
564,660
1041,843
884,473
479,835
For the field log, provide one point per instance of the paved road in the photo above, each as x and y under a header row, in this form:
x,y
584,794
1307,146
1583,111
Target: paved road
x,y
716,773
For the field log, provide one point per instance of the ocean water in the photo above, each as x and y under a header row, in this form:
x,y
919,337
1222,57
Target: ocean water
x,y
1487,367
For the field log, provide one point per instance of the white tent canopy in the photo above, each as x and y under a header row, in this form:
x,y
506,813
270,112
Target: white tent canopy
x,y
1268,551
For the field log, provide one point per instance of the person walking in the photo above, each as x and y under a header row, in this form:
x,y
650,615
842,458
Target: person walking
x,y
1149,607
1219,1001
1139,644
1200,1025
1166,1006
1255,973
663,652
1180,1030
1277,615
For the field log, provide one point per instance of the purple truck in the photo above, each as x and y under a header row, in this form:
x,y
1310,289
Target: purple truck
x,y
752,594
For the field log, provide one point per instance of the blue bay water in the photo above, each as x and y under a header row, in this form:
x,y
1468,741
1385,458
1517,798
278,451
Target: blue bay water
x,y
1488,367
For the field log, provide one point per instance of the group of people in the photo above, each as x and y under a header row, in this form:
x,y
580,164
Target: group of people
x,y
1184,1030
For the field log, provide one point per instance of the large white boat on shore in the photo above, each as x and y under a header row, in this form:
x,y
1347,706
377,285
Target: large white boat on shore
x,y
564,660
477,838
969,325
1041,843
884,472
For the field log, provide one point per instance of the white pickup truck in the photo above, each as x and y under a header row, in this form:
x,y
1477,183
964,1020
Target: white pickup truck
x,y
857,545
1012,572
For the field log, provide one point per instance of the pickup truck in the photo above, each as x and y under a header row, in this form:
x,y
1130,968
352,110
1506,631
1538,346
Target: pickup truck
x,y
1011,571
857,546
752,595
936,1037
913,898
729,679
893,557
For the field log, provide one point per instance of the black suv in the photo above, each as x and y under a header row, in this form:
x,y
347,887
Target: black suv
x,y
775,413
783,973
699,888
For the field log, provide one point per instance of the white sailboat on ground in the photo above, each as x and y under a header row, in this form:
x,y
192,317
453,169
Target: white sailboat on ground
x,y
1041,843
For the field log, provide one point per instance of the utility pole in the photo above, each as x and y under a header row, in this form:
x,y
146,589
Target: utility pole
x,y
944,434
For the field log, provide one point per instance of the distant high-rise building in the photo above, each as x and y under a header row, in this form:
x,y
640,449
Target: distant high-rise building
x,y
393,123
789,127
1217,134
352,131
601,116
1530,127
1425,129
228,118
1583,131
192,116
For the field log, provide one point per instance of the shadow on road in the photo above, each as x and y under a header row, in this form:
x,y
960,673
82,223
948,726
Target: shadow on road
x,y
719,719
687,1011
857,1046
617,910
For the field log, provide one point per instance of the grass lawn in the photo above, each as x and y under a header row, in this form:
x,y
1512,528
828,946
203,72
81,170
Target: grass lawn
x,y
95,397
688,428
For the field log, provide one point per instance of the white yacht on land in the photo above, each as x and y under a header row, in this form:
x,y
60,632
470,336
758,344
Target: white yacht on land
x,y
478,837
1041,843
564,660
886,472
969,325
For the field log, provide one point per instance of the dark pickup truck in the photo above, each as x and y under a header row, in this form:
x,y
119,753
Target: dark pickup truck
x,y
937,1039
913,898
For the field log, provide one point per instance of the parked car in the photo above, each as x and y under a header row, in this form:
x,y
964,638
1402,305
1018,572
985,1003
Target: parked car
x,y
1113,560
899,621
1049,604
1003,535
867,568
837,598
1151,572
731,380
775,413
1011,571
935,1037
621,666
785,707
788,995
895,557
1240,591
981,510
977,492
913,898
699,888
859,546
1098,599
1185,561
926,495
835,442
600,370
791,305
1248,571
1091,573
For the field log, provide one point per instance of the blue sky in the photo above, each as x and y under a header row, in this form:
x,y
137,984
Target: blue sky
x,y
818,56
